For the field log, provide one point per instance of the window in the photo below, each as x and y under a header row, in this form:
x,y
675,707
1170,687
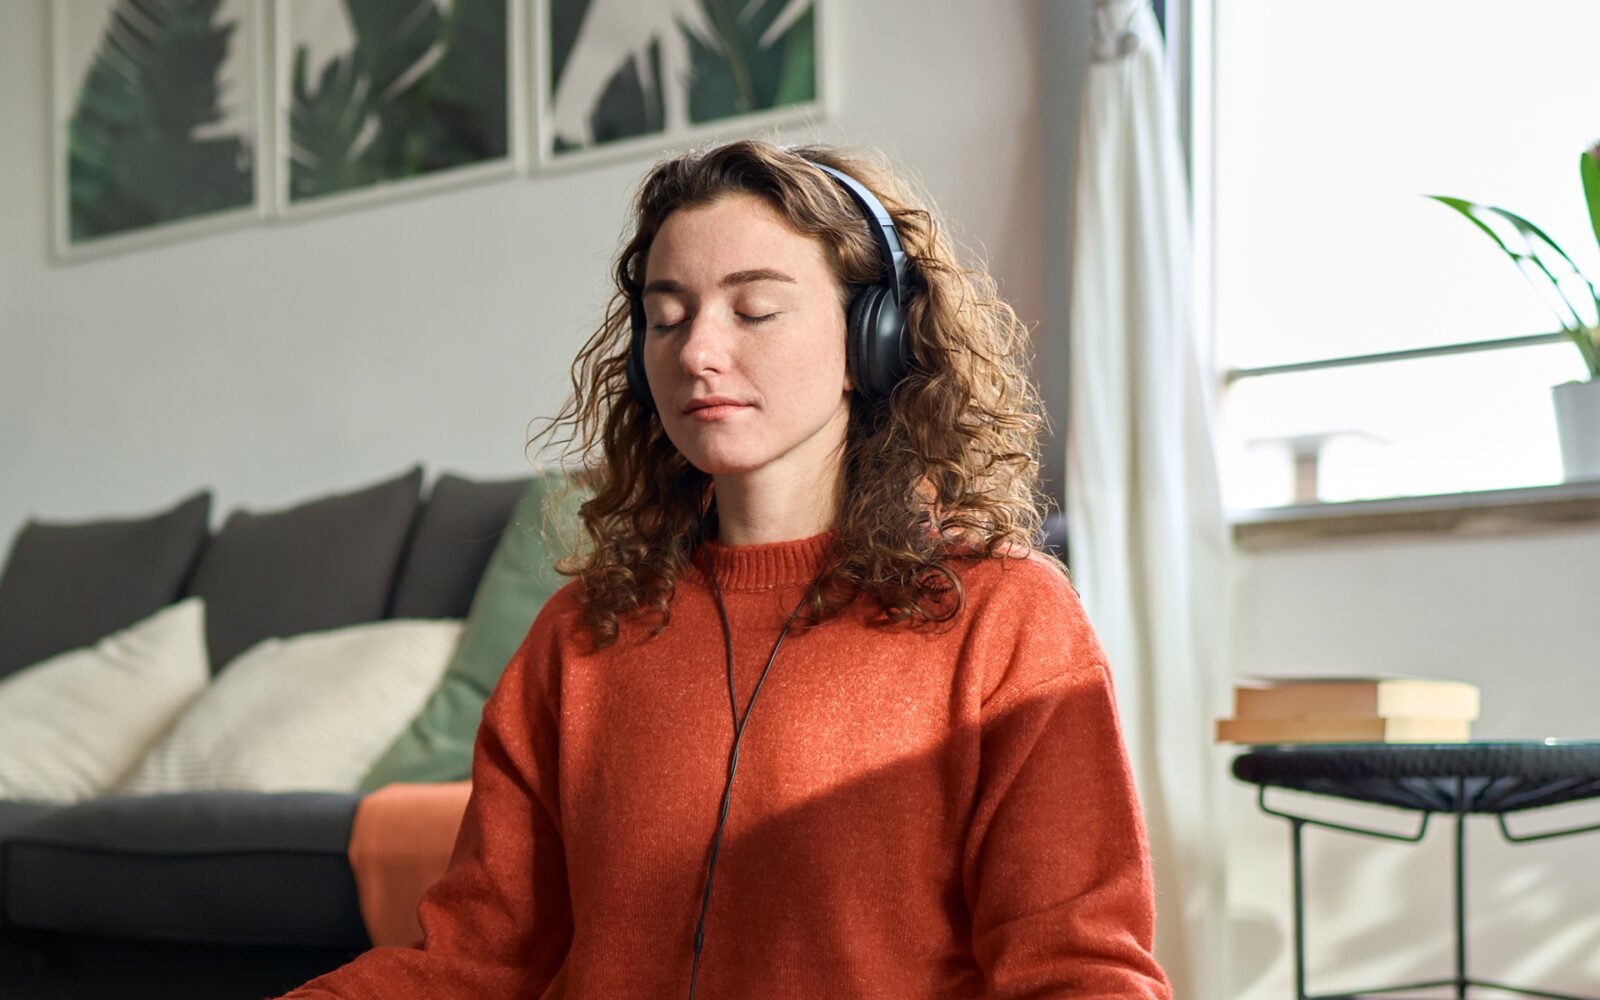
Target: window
x,y
1345,303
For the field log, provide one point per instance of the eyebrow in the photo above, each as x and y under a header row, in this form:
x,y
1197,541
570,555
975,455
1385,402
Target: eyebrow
x,y
751,276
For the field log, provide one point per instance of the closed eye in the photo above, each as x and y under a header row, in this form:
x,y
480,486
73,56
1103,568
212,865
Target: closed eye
x,y
752,319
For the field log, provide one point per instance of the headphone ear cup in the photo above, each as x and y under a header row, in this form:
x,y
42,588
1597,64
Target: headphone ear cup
x,y
638,383
876,335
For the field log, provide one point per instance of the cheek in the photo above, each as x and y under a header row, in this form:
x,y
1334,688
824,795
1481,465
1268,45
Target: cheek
x,y
658,362
817,378
822,355
809,374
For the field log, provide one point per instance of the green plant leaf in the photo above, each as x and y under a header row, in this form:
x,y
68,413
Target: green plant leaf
x,y
135,155
1566,291
1589,170
1535,253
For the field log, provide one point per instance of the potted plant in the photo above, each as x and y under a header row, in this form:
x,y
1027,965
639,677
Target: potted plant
x,y
1573,299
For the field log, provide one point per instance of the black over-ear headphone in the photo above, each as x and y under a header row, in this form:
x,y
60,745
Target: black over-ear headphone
x,y
877,350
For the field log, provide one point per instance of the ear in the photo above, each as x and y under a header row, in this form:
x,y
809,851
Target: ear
x,y
849,349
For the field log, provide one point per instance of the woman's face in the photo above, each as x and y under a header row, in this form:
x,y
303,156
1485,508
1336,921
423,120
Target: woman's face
x,y
744,344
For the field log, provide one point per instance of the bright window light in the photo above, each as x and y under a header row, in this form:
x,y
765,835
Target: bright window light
x,y
1332,122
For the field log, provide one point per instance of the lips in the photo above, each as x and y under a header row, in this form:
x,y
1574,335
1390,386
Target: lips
x,y
721,403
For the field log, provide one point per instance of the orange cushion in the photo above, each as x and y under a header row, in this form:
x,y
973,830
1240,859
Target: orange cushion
x,y
400,844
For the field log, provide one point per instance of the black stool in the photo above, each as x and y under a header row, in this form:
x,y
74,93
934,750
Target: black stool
x,y
1453,778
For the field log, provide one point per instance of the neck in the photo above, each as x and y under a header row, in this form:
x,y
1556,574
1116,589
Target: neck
x,y
756,513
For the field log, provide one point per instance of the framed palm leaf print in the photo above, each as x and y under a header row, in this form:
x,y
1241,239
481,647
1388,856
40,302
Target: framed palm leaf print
x,y
158,119
373,95
614,77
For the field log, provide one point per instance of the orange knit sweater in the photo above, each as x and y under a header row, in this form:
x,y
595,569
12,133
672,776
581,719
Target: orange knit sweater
x,y
929,812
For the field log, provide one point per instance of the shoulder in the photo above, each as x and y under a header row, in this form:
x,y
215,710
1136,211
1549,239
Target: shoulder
x,y
1020,582
561,617
557,632
564,603
556,626
1022,611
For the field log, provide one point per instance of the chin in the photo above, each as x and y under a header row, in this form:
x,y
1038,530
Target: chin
x,y
720,465
715,457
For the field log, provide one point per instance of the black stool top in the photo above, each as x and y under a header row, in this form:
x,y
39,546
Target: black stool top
x,y
1433,777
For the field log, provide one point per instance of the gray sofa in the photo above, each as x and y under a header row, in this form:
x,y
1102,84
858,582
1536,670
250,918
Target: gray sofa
x,y
213,894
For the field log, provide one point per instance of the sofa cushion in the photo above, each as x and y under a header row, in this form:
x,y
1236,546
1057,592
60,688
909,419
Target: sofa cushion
x,y
307,713
76,724
437,746
320,565
67,586
456,533
204,868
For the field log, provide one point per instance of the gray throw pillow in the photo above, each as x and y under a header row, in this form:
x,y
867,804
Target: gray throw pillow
x,y
324,564
456,533
66,586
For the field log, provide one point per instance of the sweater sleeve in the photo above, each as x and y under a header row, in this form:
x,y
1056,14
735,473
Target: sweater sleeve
x,y
498,923
1056,868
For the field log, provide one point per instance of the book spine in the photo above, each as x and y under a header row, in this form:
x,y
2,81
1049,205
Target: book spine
x,y
1342,730
1383,699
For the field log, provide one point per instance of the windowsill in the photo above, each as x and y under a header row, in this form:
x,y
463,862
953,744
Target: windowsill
x,y
1491,512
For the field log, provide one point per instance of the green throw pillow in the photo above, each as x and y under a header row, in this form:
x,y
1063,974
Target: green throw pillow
x,y
437,745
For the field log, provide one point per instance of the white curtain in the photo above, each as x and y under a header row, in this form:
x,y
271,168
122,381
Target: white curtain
x,y
1148,545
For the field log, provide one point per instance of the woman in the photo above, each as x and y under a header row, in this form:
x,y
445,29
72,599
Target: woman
x,y
813,720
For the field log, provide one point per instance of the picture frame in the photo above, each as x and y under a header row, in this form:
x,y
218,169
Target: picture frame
x,y
378,101
138,159
617,78
308,106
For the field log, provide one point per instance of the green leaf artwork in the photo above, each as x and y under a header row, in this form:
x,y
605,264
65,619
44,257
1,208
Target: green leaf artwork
x,y
612,62
142,144
752,62
422,88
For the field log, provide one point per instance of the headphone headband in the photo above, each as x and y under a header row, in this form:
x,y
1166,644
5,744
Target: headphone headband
x,y
883,231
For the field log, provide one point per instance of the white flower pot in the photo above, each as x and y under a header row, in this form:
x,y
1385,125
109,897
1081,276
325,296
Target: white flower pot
x,y
1578,422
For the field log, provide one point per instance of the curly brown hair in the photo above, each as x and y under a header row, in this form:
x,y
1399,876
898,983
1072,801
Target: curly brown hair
x,y
944,469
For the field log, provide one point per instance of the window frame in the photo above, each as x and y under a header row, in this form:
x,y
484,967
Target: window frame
x,y
1191,36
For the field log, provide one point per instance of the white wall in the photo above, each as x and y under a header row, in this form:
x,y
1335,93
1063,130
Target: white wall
x,y
274,363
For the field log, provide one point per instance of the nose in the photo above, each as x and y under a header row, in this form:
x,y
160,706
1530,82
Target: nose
x,y
705,345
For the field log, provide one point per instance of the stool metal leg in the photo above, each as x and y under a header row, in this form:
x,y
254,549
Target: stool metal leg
x,y
1461,907
1460,982
1295,836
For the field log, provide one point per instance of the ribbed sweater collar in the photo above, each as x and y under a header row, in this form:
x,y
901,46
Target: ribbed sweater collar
x,y
761,567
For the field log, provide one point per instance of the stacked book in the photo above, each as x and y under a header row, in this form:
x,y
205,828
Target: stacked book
x,y
1350,710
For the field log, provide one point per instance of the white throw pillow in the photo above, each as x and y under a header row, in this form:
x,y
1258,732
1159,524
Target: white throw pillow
x,y
307,713
73,725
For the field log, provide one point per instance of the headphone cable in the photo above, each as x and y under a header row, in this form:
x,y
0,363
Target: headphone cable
x,y
739,727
